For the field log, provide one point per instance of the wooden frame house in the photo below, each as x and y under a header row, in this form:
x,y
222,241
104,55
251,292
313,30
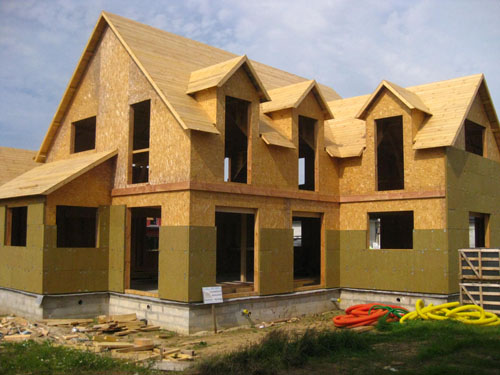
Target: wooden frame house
x,y
171,165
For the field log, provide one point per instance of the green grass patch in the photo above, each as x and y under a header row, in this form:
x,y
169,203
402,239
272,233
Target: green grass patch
x,y
280,350
30,357
418,347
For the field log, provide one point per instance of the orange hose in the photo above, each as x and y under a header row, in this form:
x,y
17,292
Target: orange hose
x,y
360,315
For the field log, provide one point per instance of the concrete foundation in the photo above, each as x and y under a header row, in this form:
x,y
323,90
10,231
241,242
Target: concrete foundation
x,y
188,318
349,297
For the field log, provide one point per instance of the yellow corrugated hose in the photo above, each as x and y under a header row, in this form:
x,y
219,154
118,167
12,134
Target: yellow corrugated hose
x,y
468,314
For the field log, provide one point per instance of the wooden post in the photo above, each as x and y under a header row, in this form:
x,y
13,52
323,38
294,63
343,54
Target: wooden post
x,y
214,318
243,247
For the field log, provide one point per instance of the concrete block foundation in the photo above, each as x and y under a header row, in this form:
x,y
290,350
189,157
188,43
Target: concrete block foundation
x,y
188,318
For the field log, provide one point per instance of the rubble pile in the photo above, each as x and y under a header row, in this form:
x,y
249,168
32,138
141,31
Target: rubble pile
x,y
118,335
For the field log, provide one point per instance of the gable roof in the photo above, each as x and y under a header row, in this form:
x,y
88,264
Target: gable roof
x,y
14,162
410,99
450,102
217,75
166,60
292,95
48,177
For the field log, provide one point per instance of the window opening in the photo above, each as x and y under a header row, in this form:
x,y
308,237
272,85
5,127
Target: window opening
x,y
474,138
390,157
236,140
235,251
17,225
141,113
306,251
144,248
307,152
391,230
84,134
76,226
477,230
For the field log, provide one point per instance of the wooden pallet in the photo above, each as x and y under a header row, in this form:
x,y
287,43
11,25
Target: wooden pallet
x,y
479,264
486,295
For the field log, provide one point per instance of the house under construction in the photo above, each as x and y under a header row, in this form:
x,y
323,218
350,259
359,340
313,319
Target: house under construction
x,y
171,165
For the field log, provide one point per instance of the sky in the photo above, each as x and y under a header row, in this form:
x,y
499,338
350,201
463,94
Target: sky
x,y
348,45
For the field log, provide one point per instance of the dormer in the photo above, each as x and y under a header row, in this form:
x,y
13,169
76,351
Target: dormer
x,y
230,93
297,113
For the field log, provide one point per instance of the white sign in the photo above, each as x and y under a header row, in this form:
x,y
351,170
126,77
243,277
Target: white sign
x,y
212,294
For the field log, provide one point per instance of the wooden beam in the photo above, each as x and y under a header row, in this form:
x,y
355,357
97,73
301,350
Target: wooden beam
x,y
243,248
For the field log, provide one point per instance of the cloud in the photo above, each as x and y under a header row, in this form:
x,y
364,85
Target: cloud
x,y
348,45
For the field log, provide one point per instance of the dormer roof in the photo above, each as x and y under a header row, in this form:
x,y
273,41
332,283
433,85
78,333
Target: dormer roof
x,y
410,99
217,75
291,96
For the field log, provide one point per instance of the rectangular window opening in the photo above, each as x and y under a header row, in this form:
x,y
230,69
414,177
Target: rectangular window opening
x,y
144,248
236,140
84,134
474,138
235,251
17,226
478,224
76,226
141,113
307,152
390,156
391,230
306,251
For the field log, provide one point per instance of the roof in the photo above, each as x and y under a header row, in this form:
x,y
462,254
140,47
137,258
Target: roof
x,y
410,99
166,61
345,136
49,177
292,95
271,136
218,74
448,103
15,161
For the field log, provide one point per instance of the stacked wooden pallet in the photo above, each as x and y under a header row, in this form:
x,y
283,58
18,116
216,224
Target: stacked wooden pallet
x,y
480,278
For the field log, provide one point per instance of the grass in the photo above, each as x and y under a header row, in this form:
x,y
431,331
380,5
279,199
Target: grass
x,y
280,350
30,357
424,348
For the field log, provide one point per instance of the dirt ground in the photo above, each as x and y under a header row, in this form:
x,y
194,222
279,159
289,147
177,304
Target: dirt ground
x,y
208,343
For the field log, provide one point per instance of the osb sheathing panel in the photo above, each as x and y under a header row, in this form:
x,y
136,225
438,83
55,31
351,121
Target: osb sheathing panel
x,y
187,262
424,169
427,213
175,206
472,186
272,212
410,270
22,267
274,264
92,189
111,84
117,244
85,104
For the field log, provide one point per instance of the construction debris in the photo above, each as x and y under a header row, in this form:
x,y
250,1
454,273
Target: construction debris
x,y
103,334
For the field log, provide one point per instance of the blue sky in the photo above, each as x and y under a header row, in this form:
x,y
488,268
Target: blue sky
x,y
348,45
